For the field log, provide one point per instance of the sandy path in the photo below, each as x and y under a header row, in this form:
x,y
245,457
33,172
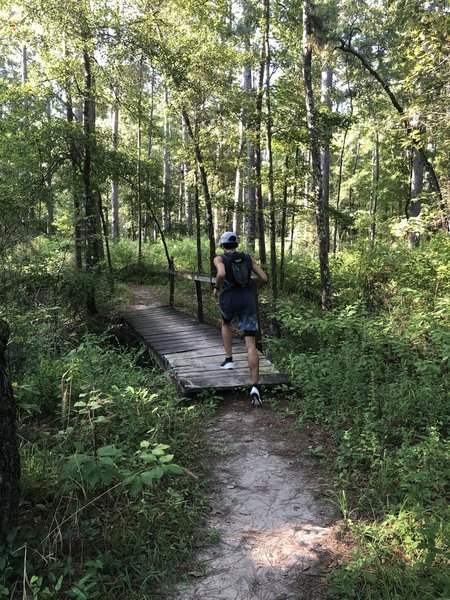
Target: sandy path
x,y
277,542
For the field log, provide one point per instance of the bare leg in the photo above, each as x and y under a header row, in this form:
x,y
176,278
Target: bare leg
x,y
227,339
253,358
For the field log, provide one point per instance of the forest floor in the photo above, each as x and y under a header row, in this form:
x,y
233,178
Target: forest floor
x,y
279,533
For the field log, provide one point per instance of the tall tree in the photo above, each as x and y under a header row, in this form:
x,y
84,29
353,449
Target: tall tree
x,y
270,169
167,167
250,219
321,216
94,245
115,231
327,82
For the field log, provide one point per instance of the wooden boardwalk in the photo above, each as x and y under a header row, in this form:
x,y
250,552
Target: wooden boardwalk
x,y
192,351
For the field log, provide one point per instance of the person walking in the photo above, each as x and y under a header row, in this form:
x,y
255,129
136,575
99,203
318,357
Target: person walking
x,y
237,301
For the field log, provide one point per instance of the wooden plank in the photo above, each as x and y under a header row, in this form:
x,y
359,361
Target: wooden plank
x,y
203,383
188,343
238,348
199,384
214,365
184,359
192,352
164,323
213,376
183,336
180,328
170,329
174,347
159,317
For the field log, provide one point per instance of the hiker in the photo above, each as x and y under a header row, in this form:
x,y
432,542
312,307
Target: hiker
x,y
237,300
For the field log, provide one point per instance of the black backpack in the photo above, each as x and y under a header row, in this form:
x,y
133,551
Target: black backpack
x,y
240,269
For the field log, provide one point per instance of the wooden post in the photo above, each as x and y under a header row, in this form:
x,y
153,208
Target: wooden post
x,y
198,291
171,282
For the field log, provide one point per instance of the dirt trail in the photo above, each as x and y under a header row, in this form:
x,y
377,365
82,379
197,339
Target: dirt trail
x,y
277,541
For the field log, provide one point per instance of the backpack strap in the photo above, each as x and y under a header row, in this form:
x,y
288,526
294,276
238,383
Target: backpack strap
x,y
228,275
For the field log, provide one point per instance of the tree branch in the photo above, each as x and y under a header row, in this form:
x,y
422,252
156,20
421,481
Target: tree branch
x,y
347,48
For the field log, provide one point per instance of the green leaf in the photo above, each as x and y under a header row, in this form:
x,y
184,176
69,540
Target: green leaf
x,y
109,451
148,477
166,458
101,419
137,486
160,449
174,469
93,477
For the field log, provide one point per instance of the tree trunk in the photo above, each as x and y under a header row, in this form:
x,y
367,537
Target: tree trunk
x,y
50,206
321,217
147,194
24,74
294,202
166,165
250,196
94,246
258,154
75,164
327,82
198,226
339,179
237,208
187,185
415,204
205,187
270,176
375,184
284,220
9,454
115,183
351,203
139,159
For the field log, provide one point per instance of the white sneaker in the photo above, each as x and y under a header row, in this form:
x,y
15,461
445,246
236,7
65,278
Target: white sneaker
x,y
227,364
255,395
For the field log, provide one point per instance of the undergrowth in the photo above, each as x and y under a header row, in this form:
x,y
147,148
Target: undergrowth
x,y
111,494
111,456
374,370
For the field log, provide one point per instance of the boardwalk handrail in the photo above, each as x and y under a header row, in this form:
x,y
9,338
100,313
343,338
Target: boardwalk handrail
x,y
192,276
198,278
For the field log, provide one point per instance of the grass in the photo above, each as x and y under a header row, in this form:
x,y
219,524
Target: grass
x,y
374,371
112,497
105,517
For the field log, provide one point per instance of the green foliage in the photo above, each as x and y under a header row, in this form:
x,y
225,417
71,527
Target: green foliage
x,y
110,495
302,278
375,371
184,251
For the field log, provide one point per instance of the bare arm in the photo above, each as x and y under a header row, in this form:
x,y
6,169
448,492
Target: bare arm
x,y
219,264
257,269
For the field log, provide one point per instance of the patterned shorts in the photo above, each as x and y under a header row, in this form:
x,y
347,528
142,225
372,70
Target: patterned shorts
x,y
246,322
